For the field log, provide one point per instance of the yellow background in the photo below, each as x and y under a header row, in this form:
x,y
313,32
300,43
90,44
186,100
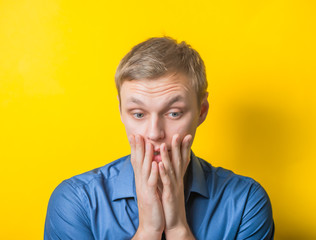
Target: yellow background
x,y
59,112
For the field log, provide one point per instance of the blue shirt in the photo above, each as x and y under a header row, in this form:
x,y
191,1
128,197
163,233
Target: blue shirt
x,y
102,204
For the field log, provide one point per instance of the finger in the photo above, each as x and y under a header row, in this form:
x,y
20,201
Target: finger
x,y
186,150
166,161
133,148
139,151
176,154
148,159
165,179
153,177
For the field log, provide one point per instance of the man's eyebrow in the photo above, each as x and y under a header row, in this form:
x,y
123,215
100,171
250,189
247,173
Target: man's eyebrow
x,y
175,99
135,100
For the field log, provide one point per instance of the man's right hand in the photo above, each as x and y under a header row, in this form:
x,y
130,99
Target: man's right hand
x,y
150,211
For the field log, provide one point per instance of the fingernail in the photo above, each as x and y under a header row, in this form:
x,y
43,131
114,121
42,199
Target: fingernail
x,y
160,165
164,147
190,139
176,137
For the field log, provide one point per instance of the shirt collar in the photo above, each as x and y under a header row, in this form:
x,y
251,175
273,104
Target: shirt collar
x,y
125,182
196,181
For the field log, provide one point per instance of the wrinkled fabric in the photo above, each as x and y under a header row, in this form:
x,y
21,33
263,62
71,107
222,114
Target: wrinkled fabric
x,y
102,204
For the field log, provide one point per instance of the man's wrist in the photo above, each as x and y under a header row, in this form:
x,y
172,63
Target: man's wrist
x,y
183,233
144,235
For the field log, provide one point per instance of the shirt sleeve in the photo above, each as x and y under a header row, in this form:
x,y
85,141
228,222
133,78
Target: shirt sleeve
x,y
66,216
257,221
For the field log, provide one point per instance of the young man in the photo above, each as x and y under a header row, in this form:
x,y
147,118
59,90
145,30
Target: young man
x,y
162,190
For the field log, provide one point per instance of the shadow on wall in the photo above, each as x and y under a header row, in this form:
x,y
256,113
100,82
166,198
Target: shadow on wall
x,y
270,140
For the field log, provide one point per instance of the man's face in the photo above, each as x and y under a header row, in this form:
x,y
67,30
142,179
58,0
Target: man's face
x,y
158,109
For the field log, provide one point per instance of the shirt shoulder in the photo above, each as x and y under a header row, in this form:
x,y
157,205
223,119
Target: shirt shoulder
x,y
224,177
74,204
243,199
104,173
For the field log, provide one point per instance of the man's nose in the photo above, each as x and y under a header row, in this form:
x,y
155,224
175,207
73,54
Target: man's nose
x,y
155,129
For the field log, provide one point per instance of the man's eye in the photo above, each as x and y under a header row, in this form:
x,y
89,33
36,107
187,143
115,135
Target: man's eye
x,y
138,115
175,114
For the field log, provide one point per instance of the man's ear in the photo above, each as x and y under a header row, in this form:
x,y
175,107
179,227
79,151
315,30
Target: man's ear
x,y
203,109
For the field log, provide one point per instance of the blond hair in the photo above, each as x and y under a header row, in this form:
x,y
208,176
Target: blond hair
x,y
158,57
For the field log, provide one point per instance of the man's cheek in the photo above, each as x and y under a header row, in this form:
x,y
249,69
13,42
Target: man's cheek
x,y
132,128
182,131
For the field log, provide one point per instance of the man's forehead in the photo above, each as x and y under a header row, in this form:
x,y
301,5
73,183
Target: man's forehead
x,y
166,90
171,78
168,100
